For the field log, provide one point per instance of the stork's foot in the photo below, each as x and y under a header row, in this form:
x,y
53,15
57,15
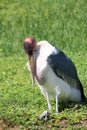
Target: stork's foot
x,y
45,115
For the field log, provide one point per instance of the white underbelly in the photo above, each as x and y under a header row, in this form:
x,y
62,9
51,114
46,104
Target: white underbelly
x,y
54,85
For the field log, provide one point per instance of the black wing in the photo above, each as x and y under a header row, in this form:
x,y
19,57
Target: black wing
x,y
62,65
65,69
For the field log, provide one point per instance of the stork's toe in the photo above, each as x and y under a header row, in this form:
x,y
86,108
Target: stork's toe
x,y
45,115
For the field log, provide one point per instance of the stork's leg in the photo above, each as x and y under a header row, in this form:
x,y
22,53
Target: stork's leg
x,y
45,115
48,101
57,103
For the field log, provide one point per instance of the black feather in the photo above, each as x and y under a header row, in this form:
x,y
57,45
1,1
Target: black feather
x,y
65,69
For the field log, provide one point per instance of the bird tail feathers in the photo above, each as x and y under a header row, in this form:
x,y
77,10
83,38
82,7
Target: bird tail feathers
x,y
81,89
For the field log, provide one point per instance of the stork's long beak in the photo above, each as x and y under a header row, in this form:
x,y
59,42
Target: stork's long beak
x,y
32,63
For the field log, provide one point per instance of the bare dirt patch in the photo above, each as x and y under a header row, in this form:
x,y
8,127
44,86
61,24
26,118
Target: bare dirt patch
x,y
64,123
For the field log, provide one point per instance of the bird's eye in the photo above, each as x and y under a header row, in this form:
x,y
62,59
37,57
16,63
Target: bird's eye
x,y
30,52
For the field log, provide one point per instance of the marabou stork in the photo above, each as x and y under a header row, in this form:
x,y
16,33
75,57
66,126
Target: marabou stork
x,y
54,71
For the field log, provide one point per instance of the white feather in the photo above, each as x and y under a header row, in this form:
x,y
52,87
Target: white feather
x,y
50,84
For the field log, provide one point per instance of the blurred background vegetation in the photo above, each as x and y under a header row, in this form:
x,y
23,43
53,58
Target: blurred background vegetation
x,y
61,22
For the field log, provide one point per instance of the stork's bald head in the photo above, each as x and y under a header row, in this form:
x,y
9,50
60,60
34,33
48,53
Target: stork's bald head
x,y
29,45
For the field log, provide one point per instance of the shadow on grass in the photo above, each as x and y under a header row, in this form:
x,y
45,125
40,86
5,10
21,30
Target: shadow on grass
x,y
72,105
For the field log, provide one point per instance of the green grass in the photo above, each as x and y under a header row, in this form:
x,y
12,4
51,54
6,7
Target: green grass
x,y
64,23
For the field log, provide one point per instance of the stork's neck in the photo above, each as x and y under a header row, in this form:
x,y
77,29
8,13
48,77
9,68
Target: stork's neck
x,y
37,54
42,43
